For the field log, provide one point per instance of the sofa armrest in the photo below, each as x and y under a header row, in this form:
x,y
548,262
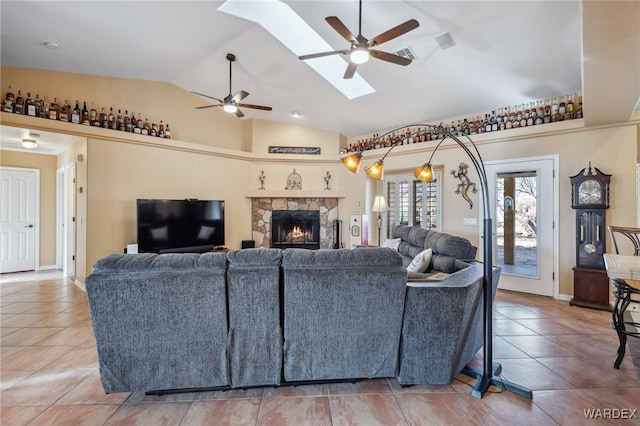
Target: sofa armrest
x,y
438,320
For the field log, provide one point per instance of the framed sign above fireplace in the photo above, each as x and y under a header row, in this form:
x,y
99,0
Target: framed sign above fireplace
x,y
309,150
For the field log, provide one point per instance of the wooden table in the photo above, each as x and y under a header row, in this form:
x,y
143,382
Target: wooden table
x,y
624,272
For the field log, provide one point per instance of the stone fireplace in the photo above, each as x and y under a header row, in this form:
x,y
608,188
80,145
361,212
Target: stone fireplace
x,y
262,210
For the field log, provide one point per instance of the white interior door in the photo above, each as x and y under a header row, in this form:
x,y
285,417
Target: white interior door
x,y
19,190
524,196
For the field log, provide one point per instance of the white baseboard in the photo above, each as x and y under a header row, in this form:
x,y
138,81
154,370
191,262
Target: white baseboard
x,y
47,267
565,297
80,285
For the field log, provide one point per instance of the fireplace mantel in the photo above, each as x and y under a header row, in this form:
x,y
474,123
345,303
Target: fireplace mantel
x,y
269,193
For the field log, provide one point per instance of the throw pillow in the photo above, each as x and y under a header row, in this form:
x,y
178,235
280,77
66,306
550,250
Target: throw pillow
x,y
393,243
421,262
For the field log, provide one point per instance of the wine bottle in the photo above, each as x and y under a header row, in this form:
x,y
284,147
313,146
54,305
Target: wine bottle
x,y
127,121
570,112
54,110
112,120
94,118
161,129
138,125
167,132
9,101
39,103
120,120
104,119
19,107
47,108
64,111
145,127
30,106
579,113
76,113
85,114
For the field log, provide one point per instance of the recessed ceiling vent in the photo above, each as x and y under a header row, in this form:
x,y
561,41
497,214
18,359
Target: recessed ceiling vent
x,y
407,53
445,41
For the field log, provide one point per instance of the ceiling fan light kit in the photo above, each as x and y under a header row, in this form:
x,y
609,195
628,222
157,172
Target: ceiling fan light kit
x,y
231,103
361,48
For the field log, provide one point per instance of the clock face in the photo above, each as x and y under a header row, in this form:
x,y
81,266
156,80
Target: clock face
x,y
590,192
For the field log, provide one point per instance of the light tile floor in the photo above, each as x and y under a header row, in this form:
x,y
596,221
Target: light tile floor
x,y
565,354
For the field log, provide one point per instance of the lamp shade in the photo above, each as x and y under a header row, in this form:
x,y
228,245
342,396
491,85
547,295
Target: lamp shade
x,y
379,205
375,170
351,161
424,173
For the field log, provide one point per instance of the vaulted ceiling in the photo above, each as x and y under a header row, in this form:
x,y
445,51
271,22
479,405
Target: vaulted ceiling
x,y
505,53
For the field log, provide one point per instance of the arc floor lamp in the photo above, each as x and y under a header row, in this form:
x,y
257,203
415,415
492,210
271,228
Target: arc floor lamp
x,y
490,374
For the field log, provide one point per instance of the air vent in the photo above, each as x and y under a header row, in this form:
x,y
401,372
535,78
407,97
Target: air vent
x,y
407,53
445,41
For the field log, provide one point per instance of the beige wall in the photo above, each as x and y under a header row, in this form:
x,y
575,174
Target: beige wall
x,y
47,166
612,149
277,167
119,173
154,100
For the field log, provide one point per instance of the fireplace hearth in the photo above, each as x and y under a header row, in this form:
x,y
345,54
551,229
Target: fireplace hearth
x,y
295,228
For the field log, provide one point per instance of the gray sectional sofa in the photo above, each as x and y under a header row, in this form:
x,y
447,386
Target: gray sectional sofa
x,y
268,317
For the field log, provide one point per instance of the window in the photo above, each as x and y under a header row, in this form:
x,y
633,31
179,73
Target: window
x,y
412,202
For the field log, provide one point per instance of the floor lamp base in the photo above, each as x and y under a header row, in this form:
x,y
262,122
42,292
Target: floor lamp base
x,y
484,382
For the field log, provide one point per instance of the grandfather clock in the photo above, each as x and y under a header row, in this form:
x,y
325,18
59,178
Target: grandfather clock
x,y
590,200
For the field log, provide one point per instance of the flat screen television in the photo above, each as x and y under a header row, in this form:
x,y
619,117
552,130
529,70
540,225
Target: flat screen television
x,y
179,226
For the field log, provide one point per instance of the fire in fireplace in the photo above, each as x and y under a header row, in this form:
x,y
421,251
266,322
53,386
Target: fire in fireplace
x,y
295,228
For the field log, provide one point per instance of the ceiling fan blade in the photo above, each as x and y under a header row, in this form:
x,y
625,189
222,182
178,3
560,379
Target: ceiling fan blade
x,y
319,55
394,32
207,106
337,25
239,113
239,96
390,57
207,96
351,70
264,108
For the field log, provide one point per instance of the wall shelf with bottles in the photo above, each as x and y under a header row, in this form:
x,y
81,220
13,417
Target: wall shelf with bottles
x,y
42,108
533,114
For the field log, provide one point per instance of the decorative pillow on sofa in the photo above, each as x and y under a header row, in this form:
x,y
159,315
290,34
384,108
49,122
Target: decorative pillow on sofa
x,y
421,262
393,243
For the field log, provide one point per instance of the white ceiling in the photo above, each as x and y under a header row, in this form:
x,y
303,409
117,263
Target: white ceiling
x,y
507,53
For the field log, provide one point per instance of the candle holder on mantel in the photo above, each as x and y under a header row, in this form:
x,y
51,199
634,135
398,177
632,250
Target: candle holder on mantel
x,y
327,179
261,178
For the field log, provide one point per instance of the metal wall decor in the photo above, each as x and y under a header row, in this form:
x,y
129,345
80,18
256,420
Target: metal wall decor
x,y
465,184
261,178
310,150
294,181
327,179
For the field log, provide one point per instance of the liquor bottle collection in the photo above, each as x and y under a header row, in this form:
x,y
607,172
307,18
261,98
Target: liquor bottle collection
x,y
43,108
532,114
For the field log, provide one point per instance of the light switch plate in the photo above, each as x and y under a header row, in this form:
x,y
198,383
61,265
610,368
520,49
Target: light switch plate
x,y
470,221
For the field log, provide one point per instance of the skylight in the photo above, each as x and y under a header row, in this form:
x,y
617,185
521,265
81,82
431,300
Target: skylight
x,y
293,32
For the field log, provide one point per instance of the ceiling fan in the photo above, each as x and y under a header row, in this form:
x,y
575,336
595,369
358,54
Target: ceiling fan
x,y
231,102
361,48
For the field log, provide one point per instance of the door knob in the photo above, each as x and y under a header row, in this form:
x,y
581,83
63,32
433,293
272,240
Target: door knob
x,y
29,226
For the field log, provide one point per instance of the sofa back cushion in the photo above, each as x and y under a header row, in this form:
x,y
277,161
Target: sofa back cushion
x,y
446,248
255,335
160,321
342,313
